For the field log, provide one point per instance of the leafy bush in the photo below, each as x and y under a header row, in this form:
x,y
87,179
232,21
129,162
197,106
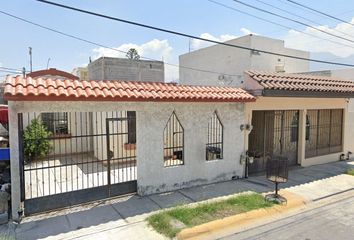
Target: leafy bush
x,y
35,140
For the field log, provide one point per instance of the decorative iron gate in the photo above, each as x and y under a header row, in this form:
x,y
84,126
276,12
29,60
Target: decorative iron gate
x,y
76,157
275,133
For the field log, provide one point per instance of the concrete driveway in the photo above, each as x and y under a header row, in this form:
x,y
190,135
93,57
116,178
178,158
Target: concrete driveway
x,y
124,217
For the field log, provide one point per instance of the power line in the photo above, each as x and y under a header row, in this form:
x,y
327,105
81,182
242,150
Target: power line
x,y
113,49
191,36
11,69
299,16
290,19
278,24
320,12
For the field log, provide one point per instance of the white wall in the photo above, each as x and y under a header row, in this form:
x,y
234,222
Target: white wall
x,y
152,176
234,61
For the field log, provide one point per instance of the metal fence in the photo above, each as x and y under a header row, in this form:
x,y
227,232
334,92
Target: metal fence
x,y
274,133
64,153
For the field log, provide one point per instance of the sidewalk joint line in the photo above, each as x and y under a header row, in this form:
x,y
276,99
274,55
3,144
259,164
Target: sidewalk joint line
x,y
187,196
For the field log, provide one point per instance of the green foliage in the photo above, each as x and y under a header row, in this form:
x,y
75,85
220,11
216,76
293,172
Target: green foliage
x,y
35,140
350,171
132,54
205,212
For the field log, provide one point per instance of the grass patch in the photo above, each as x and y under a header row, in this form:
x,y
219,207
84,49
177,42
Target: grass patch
x,y
350,171
165,221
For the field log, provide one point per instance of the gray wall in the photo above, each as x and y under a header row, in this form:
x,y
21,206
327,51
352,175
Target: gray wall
x,y
152,117
106,68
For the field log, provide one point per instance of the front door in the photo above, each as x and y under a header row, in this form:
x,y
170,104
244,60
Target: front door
x,y
275,133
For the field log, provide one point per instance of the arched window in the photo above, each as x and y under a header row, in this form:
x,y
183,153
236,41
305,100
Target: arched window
x,y
173,141
214,146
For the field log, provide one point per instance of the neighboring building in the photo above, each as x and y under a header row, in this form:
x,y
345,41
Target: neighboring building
x,y
230,63
81,72
302,117
52,73
106,68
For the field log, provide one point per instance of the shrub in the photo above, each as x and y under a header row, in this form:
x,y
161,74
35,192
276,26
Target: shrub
x,y
35,140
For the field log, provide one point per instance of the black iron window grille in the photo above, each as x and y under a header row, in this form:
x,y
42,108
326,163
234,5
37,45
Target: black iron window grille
x,y
131,115
57,122
173,141
214,146
324,132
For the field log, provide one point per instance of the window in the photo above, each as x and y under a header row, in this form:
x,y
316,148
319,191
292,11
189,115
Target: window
x,y
214,146
323,132
173,141
57,123
131,115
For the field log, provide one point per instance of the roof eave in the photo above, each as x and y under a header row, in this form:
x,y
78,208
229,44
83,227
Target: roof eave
x,y
306,94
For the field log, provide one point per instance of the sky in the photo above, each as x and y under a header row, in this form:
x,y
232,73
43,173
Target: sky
x,y
198,17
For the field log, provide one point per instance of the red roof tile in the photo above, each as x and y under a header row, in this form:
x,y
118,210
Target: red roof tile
x,y
20,89
51,72
301,82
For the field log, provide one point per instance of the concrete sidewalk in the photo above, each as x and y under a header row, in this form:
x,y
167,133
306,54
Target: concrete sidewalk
x,y
124,217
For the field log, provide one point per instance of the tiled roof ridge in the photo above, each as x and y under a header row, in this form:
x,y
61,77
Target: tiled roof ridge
x,y
39,87
301,82
297,76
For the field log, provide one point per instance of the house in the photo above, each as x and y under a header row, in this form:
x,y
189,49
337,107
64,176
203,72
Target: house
x,y
302,117
226,65
80,72
110,138
51,73
107,68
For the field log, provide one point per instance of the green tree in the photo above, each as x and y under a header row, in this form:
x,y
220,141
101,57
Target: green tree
x,y
133,54
36,140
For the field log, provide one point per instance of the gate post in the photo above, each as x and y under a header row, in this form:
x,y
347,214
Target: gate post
x,y
14,162
301,138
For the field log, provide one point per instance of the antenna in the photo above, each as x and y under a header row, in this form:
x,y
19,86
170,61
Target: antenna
x,y
48,63
30,55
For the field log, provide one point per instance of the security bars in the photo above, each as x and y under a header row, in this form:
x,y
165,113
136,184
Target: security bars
x,y
214,146
173,137
97,152
324,132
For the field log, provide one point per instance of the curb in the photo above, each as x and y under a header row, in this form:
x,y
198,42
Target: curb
x,y
242,219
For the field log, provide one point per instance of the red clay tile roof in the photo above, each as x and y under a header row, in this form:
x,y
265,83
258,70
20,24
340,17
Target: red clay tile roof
x,y
20,89
51,72
301,82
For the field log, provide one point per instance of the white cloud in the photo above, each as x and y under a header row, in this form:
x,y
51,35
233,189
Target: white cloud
x,y
197,44
246,31
155,49
305,42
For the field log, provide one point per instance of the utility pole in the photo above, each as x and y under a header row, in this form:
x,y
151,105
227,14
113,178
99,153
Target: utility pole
x,y
30,54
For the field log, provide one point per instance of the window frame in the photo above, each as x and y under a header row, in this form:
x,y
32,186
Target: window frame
x,y
218,139
169,148
51,121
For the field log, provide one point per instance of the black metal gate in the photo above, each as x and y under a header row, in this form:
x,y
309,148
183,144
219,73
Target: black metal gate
x,y
275,133
76,157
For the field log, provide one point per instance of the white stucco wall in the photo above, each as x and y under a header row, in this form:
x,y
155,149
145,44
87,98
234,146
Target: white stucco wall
x,y
152,176
234,61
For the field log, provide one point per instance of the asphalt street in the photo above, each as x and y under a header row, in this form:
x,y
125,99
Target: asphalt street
x,y
333,221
